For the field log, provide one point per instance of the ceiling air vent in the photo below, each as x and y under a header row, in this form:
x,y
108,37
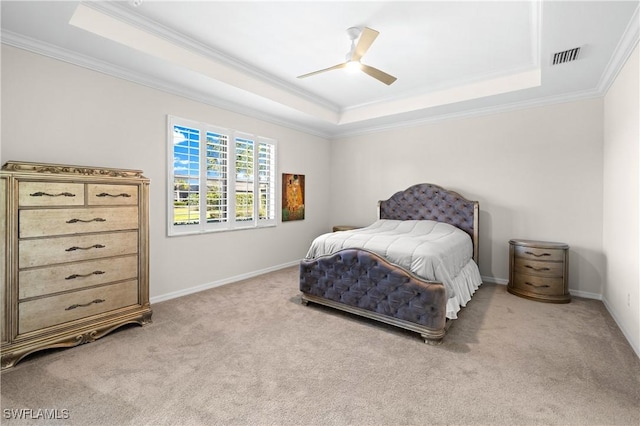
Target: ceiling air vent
x,y
566,56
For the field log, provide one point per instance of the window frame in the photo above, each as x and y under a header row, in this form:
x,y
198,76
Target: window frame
x,y
228,179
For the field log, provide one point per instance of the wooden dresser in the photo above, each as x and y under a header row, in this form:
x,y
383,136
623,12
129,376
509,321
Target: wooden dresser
x,y
539,270
75,255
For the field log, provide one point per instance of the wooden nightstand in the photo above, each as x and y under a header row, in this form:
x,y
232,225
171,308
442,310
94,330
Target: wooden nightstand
x,y
539,270
344,228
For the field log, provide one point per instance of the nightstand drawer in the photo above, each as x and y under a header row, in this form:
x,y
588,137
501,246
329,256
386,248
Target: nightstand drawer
x,y
539,268
545,254
539,285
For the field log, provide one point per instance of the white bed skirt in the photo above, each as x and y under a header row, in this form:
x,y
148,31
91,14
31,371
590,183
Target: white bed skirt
x,y
463,286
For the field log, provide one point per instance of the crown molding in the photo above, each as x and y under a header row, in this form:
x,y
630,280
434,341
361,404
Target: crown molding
x,y
534,64
123,13
476,112
51,51
55,52
623,50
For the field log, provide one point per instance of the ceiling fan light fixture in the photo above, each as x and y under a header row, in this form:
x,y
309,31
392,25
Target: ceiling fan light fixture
x,y
352,61
353,67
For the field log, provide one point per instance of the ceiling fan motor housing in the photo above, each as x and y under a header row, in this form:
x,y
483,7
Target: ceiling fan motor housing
x,y
354,33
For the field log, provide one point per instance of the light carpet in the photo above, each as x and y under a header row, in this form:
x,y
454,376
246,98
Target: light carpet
x,y
249,353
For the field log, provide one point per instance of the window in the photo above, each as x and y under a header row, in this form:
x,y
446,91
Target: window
x,y
219,179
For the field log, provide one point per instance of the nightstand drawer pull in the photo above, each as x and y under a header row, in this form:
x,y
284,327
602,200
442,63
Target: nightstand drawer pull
x,y
44,194
84,305
536,286
106,194
537,269
96,246
74,276
95,219
537,255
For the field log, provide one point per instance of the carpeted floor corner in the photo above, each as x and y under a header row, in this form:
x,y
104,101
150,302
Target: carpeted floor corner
x,y
249,353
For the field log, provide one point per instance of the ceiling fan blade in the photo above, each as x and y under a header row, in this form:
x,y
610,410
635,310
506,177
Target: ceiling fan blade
x,y
377,74
335,67
366,40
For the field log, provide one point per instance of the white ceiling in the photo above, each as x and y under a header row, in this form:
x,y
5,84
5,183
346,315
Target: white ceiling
x,y
451,58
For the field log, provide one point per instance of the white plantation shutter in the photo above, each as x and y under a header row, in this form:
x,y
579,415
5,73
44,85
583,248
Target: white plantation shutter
x,y
244,178
267,180
216,169
185,180
219,178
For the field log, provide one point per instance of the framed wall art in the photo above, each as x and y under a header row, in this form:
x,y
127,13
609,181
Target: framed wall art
x,y
292,197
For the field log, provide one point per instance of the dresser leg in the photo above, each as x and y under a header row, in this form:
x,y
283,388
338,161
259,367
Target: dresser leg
x,y
8,360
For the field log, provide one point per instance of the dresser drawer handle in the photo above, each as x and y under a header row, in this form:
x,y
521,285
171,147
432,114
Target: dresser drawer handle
x,y
537,269
106,194
95,219
536,286
74,276
84,305
96,246
44,194
537,255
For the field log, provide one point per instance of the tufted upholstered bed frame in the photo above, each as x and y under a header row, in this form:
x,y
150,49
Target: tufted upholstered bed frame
x,y
363,283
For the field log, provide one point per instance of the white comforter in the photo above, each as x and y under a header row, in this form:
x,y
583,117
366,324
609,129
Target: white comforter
x,y
429,249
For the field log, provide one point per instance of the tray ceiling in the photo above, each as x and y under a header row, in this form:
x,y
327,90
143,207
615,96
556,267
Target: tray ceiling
x,y
451,58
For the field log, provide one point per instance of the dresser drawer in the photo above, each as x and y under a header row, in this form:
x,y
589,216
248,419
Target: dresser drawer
x,y
534,253
54,310
49,251
539,268
48,222
539,285
73,276
108,195
50,194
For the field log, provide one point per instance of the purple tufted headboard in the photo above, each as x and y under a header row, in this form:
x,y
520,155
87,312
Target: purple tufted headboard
x,y
426,201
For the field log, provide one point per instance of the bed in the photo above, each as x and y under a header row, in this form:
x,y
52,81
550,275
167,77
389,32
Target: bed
x,y
413,268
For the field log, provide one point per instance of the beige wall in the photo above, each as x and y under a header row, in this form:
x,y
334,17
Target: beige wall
x,y
59,113
621,241
537,174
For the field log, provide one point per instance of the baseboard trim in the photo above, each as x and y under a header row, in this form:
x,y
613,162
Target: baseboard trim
x,y
585,294
494,280
207,286
577,293
627,335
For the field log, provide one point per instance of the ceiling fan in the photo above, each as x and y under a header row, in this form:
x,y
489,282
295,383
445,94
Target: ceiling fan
x,y
367,36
